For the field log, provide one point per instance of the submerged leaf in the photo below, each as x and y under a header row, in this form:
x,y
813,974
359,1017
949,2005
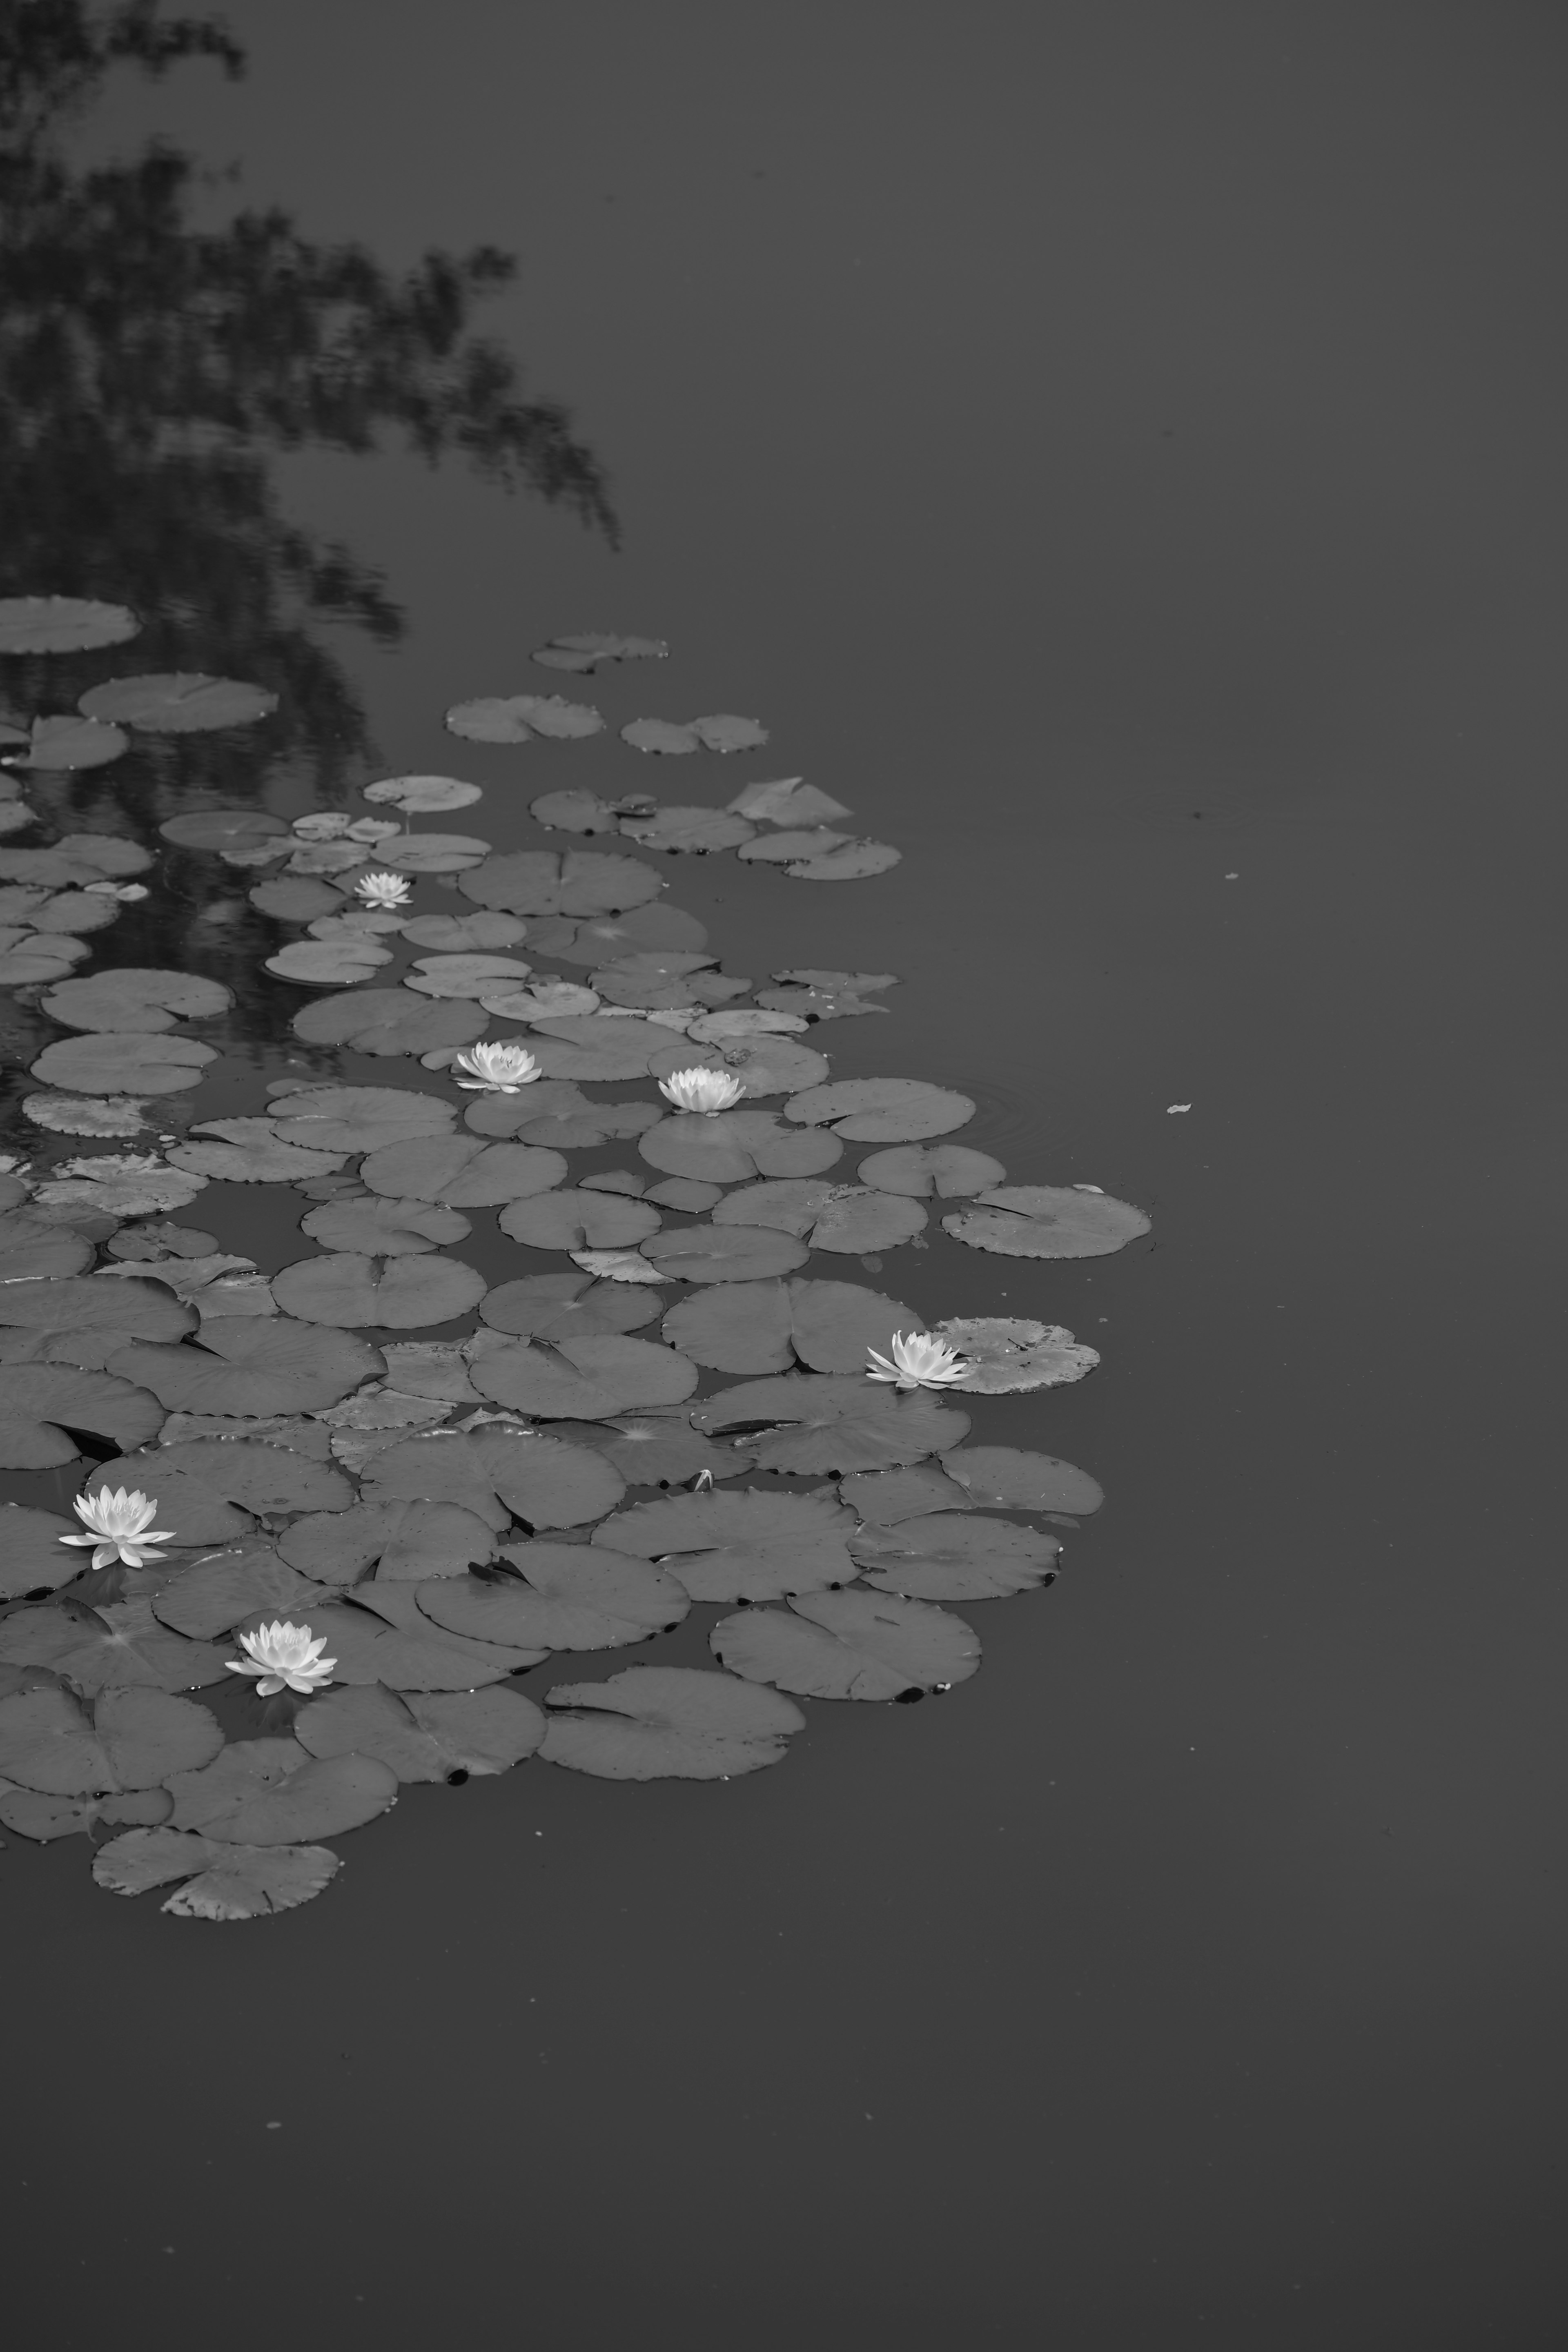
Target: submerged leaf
x,y
586,652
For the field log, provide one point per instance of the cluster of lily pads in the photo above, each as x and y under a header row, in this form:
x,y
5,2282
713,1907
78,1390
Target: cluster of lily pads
x,y
383,1532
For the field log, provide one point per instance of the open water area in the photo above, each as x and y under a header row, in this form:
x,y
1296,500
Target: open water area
x,y
1117,452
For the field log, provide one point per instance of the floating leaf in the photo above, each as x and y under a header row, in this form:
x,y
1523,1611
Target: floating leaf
x,y
436,853
584,882
210,1489
684,1193
126,999
249,1153
206,1602
223,829
881,1110
547,1000
583,1378
569,1597
1048,1221
327,963
944,1557
886,1496
34,909
45,1818
30,1248
999,1478
41,1404
34,1555
851,864
31,960
178,705
63,742
1007,1352
385,1227
465,975
725,732
82,858
357,1118
586,651
644,927
463,1172
92,1311
616,1265
411,1655
664,735
399,1294
788,800
129,1194
485,933
841,1218
422,795
918,1171
747,1021
725,1147
749,1546
405,1542
222,1882
692,830
116,1647
427,1735
386,1021
764,1065
296,898
500,1472
120,1065
275,1792
818,1004
62,624
582,811
653,1723
573,1219
282,1366
658,1449
589,1045
518,718
563,1306
555,1113
723,1252
818,1424
849,1645
780,848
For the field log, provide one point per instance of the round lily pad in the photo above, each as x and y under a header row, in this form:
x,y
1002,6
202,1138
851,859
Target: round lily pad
x,y
881,1110
1000,1478
1047,1221
328,963
223,829
42,1406
87,1307
584,882
574,1219
117,1646
250,1151
34,1555
518,718
780,848
463,1172
859,1645
821,1424
563,1306
655,1449
465,975
849,1220
587,1045
240,1366
852,863
208,1599
121,1065
357,1118
125,999
212,1489
296,898
422,795
62,624
485,933
133,1738
220,1881
178,705
81,859
653,1723
563,1597
728,1146
1008,1352
388,1021
764,1065
605,936
390,1641
31,1247
66,741
947,1557
886,1496
723,1252
748,1545
275,1792
583,1378
385,1227
31,960
950,1171
406,1542
499,1474
400,1294
424,1734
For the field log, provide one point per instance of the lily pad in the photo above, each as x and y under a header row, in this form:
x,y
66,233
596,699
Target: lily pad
x,y
357,1118
79,860
131,1739
853,863
434,853
62,624
846,1219
1007,1352
886,1496
422,795
563,1597
210,1490
296,898
34,1555
584,652
945,1556
589,1046
547,1000
425,1735
787,800
223,829
500,1472
723,1252
31,1247
950,1171
242,1365
728,1146
763,1328
398,1294
42,1406
764,1065
520,718
328,963
656,1449
63,742
583,1378
46,1818
819,1004
178,705
465,975
564,1305
689,830
584,882
31,961
385,1227
275,1792
668,735
859,1645
116,1647
606,936
482,934
463,1172
386,1021
748,1545
85,1115
555,1113
654,1723
88,1307
582,811
574,1219
125,999
881,1110
390,1641
122,1192
1048,1221
249,1151
780,848
999,1478
120,1065
821,1424
221,1882
207,1601
405,1542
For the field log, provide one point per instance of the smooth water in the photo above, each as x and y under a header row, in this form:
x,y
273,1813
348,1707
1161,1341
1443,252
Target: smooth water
x,y
1119,453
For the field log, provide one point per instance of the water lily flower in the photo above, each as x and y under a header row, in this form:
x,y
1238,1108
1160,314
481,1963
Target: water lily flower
x,y
285,1658
919,1363
384,889
496,1069
121,890
121,1525
703,1090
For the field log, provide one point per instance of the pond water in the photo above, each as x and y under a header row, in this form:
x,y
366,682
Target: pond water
x,y
1117,454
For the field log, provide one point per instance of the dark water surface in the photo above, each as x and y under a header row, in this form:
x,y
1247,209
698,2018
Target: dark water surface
x,y
1115,449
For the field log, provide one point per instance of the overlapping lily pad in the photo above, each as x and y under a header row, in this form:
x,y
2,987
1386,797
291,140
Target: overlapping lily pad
x,y
383,1021
211,1490
405,1542
388,1641
655,1449
561,1597
724,1252
34,1555
328,963
946,1556
207,1600
1000,1478
729,1146
848,1219
357,1118
275,1792
117,1646
133,1738
425,1735
520,718
465,975
787,800
501,1474
1008,1352
588,1047
1048,1221
583,882
554,1114
405,1293
79,860
653,1723
881,1110
220,1881
720,731
763,1326
689,830
819,1424
581,1378
32,1247
64,740
485,933
250,1151
856,1645
241,1366
463,1172
126,999
748,1545
118,1065
42,1406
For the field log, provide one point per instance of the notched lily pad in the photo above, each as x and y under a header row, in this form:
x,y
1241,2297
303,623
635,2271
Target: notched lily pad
x,y
136,1066
181,704
749,1546
563,1306
386,1021
425,1735
62,624
500,1472
131,1739
520,718
692,832
212,1489
34,1555
241,1366
946,1556
820,1423
1008,1352
653,1723
405,1542
1048,1221
727,1147
857,1645
576,1219
126,999
918,1171
43,1406
1000,1478
563,1597
723,1252
397,1294
463,1172
275,1792
881,1110
221,1882
583,1378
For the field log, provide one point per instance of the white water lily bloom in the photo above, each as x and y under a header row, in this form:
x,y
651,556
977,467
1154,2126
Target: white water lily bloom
x,y
285,1658
919,1363
384,889
704,1090
121,1525
496,1069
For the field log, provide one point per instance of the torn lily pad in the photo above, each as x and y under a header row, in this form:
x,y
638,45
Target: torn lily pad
x,y
219,1881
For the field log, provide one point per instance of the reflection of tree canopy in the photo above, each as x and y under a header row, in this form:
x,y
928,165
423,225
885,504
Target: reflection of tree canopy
x,y
148,372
